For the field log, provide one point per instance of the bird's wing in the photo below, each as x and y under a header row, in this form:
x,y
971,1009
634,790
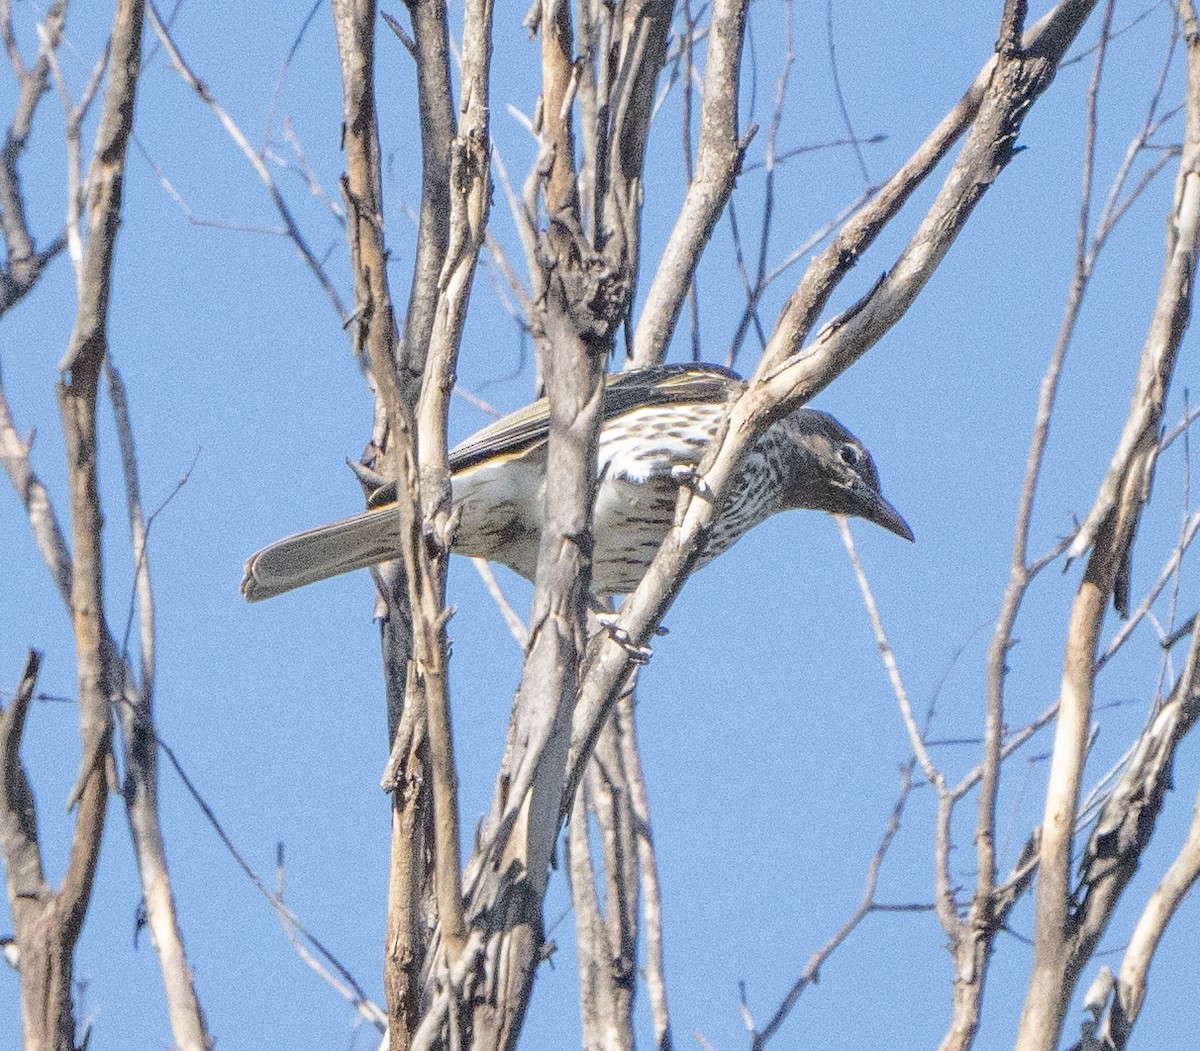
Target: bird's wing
x,y
519,432
526,428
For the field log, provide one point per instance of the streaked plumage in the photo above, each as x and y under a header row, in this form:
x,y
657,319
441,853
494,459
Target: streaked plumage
x,y
655,420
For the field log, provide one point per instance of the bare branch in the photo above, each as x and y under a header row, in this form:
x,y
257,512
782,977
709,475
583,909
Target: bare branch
x,y
74,115
338,211
606,937
971,952
1125,487
995,107
47,533
718,160
288,919
350,991
915,738
839,94
801,251
1130,989
80,369
24,262
651,895
865,907
468,148
784,381
202,91
1168,572
283,72
438,131
515,625
1128,818
135,713
1058,951
22,854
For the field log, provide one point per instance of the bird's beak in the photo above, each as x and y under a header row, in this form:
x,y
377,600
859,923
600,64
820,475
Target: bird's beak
x,y
879,511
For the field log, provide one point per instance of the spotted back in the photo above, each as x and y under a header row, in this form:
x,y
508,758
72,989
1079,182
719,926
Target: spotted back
x,y
624,392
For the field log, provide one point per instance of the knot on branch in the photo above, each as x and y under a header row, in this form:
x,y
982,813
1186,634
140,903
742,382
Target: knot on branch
x,y
594,290
471,184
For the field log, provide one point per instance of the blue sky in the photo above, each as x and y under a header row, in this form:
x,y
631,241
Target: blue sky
x,y
769,733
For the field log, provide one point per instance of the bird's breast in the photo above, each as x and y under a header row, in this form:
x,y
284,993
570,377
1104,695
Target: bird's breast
x,y
630,521
499,504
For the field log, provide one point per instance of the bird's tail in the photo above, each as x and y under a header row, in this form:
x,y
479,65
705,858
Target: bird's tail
x,y
328,550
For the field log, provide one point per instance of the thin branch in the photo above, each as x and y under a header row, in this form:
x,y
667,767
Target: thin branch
x,y
291,922
136,715
1021,574
651,894
24,262
315,187
18,813
768,211
915,738
1168,572
718,160
840,95
783,156
366,1009
865,907
801,251
33,494
1130,990
1172,311
74,115
1060,947
277,93
202,91
515,624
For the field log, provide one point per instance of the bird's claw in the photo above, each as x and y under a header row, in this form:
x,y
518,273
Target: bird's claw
x,y
637,654
686,474
370,478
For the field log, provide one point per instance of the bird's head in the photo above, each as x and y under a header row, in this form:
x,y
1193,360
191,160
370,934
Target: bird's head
x,y
832,471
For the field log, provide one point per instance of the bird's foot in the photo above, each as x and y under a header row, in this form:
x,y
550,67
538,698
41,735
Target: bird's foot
x,y
369,477
637,654
686,474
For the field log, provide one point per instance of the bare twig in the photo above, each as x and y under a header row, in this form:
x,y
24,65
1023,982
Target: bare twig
x,y
277,93
515,625
32,492
74,114
136,716
1138,443
291,923
971,952
840,95
801,251
1168,572
202,91
915,737
865,907
718,160
647,864
607,937
350,991
315,187
25,262
1062,942
1130,989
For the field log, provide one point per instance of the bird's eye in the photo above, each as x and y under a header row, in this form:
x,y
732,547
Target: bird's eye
x,y
850,454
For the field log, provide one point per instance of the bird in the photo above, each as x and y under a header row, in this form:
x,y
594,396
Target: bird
x,y
656,425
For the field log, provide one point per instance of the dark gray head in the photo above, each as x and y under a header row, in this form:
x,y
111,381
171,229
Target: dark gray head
x,y
827,469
